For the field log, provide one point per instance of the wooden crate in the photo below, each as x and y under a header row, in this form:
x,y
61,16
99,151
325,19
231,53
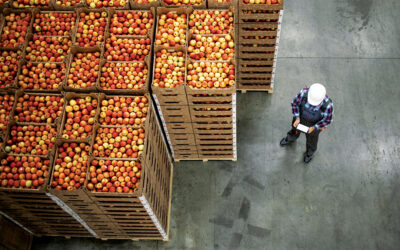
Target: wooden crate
x,y
200,99
8,11
169,96
150,10
68,96
179,127
182,139
143,214
75,50
210,113
36,211
11,84
122,91
174,113
5,131
258,12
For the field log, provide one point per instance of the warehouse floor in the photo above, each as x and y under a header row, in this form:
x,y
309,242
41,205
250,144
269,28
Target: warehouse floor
x,y
348,197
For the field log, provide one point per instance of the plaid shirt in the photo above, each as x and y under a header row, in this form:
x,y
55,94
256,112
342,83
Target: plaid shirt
x,y
327,114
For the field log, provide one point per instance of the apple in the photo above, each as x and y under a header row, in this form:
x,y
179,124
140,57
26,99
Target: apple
x,y
116,75
54,23
84,70
131,23
127,49
171,30
118,142
31,139
15,29
7,104
38,108
91,28
70,166
48,49
169,69
211,21
121,176
215,47
45,76
123,111
79,118
208,74
28,172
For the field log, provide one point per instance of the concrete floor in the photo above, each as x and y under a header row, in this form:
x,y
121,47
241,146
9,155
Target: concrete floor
x,y
348,197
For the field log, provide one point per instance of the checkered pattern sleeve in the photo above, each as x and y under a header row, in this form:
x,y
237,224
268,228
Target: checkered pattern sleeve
x,y
327,119
297,102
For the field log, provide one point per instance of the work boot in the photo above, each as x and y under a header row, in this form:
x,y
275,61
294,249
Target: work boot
x,y
284,142
307,158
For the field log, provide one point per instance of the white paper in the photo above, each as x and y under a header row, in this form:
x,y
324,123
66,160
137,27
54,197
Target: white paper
x,y
302,128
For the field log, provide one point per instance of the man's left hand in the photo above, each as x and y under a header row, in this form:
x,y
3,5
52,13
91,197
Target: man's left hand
x,y
310,130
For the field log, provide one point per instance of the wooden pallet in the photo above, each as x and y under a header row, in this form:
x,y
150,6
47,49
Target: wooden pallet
x,y
268,89
206,160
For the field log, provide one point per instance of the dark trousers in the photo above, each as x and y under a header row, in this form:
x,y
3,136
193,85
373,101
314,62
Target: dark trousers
x,y
312,138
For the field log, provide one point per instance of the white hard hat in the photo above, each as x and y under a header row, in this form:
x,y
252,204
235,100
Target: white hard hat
x,y
316,94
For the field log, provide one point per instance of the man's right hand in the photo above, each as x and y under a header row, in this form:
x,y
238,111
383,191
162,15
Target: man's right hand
x,y
296,122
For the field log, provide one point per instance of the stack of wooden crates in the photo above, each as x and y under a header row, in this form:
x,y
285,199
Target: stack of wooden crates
x,y
199,124
258,32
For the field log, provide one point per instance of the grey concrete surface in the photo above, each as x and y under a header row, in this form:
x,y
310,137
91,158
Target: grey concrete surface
x,y
348,197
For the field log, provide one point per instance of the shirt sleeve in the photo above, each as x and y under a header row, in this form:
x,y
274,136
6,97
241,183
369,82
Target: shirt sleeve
x,y
297,101
327,119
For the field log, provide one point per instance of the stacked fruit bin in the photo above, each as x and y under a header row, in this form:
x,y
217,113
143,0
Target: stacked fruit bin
x,y
34,58
26,167
82,76
258,32
196,97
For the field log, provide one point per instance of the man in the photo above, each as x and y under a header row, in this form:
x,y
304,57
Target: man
x,y
312,108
